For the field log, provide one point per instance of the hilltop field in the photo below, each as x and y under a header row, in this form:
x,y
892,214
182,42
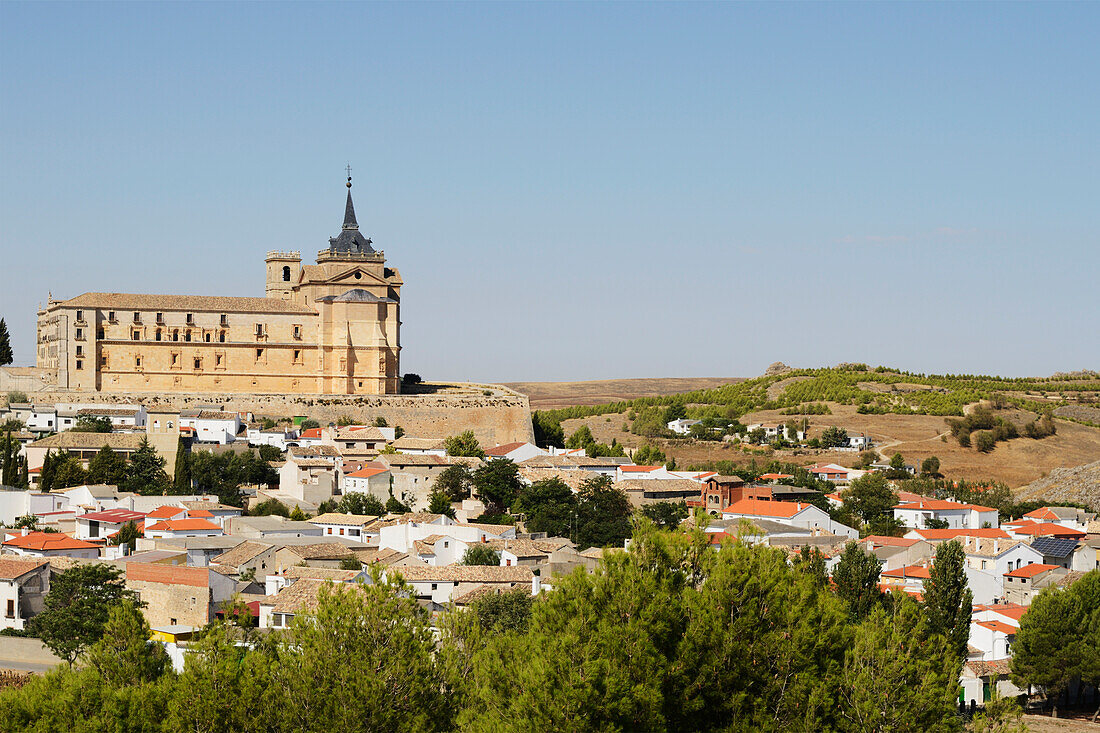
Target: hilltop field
x,y
902,412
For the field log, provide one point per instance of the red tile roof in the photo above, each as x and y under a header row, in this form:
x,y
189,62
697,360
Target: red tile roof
x,y
165,512
950,534
879,540
999,626
1042,513
199,514
503,450
311,433
182,525
639,469
760,508
1013,611
366,472
942,505
1045,529
48,541
775,476
1030,571
910,571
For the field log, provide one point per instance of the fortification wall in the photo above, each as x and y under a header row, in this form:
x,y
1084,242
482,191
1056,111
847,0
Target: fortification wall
x,y
503,416
25,379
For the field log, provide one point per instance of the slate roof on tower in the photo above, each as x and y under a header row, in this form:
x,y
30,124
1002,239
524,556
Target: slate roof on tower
x,y
350,239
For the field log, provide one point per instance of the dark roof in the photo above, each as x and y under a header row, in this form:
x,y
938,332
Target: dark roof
x,y
1054,546
350,239
356,295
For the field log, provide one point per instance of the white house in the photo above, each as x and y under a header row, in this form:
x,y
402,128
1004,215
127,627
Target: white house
x,y
515,452
776,431
41,419
860,442
400,534
798,514
419,446
123,417
177,528
24,583
48,544
104,524
834,473
280,438
957,515
356,527
1066,516
212,426
373,479
15,503
999,556
682,426
442,584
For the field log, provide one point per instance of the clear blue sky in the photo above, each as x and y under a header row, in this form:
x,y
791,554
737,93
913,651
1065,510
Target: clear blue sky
x,y
580,191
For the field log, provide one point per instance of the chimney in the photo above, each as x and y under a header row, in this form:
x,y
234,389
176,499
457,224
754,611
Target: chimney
x,y
996,549
536,584
24,532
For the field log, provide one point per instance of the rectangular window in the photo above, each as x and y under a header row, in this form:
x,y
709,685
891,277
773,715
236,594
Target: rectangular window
x,y
99,334
80,350
103,361
137,316
198,363
259,329
137,361
157,335
175,358
79,364
111,316
221,337
297,332
80,334
219,360
80,315
224,319
259,354
341,530
187,336
297,356
190,319
135,335
10,613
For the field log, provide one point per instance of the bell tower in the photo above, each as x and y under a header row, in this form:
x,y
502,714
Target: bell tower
x,y
283,269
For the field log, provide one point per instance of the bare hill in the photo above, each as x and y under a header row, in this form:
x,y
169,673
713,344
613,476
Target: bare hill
x,y
1080,484
552,395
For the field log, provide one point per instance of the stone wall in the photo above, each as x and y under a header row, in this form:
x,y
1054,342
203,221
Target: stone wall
x,y
503,416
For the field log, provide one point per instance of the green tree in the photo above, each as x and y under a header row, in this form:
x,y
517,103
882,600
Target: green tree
x,y
499,613
948,600
497,482
548,431
665,514
603,514
124,655
454,481
107,467
812,562
581,438
897,676
480,554
181,475
984,440
856,577
67,472
394,505
145,472
270,453
351,563
930,467
268,507
550,506
308,424
357,502
6,355
127,535
463,444
870,497
77,608
92,424
297,515
13,466
834,437
648,455
440,503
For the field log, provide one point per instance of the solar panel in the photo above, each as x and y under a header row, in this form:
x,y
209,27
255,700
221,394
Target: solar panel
x,y
1054,546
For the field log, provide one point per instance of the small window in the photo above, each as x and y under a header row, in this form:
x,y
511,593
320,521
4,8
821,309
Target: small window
x,y
259,329
217,359
111,316
175,358
79,364
187,336
207,338
175,334
224,319
100,334
135,335
80,350
297,332
137,361
103,361
79,334
286,273
259,353
297,355
160,318
156,336
190,318
221,337
80,315
198,363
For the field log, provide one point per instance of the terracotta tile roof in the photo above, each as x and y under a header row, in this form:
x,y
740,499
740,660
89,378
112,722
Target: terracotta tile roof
x,y
191,303
313,451
210,506
299,597
937,505
1030,571
167,574
950,534
998,626
241,554
671,486
366,472
989,547
639,469
12,568
503,450
48,541
1045,529
519,548
759,508
366,432
166,512
407,443
884,541
357,520
182,525
1013,611
70,440
311,433
999,667
383,556
336,575
466,573
199,514
910,571
321,551
419,517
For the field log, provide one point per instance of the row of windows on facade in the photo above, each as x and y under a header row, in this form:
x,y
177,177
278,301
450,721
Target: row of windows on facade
x,y
189,318
160,335
219,359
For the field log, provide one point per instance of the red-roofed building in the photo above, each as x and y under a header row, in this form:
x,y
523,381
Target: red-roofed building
x,y
174,528
1028,529
175,595
1023,584
24,583
775,476
957,515
796,514
1067,516
48,544
515,452
100,525
943,535
908,578
168,511
373,479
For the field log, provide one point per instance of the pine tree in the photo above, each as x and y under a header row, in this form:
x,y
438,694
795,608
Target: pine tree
x,y
6,355
181,476
145,473
856,577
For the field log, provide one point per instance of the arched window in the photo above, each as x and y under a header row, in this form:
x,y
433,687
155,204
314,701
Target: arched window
x,y
286,273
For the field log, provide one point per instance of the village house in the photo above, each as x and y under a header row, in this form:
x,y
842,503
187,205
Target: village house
x,y
898,552
1062,552
271,527
1023,584
356,527
280,438
356,439
326,553
199,550
515,452
641,492
788,512
414,475
211,426
82,446
373,479
257,557
105,524
47,544
178,596
682,426
998,556
179,528
957,515
1067,516
1027,529
441,584
24,583
419,446
15,503
936,536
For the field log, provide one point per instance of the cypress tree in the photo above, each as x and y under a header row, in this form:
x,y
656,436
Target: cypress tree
x,y
181,476
6,356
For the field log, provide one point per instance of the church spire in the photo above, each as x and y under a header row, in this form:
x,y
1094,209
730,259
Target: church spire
x,y
349,208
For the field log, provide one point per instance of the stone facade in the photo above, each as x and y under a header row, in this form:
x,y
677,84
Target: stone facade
x,y
331,328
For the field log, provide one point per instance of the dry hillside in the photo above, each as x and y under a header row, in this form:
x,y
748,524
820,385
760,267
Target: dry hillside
x,y
1080,485
552,395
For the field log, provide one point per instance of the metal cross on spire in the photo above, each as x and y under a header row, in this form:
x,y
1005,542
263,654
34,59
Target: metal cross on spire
x,y
348,169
